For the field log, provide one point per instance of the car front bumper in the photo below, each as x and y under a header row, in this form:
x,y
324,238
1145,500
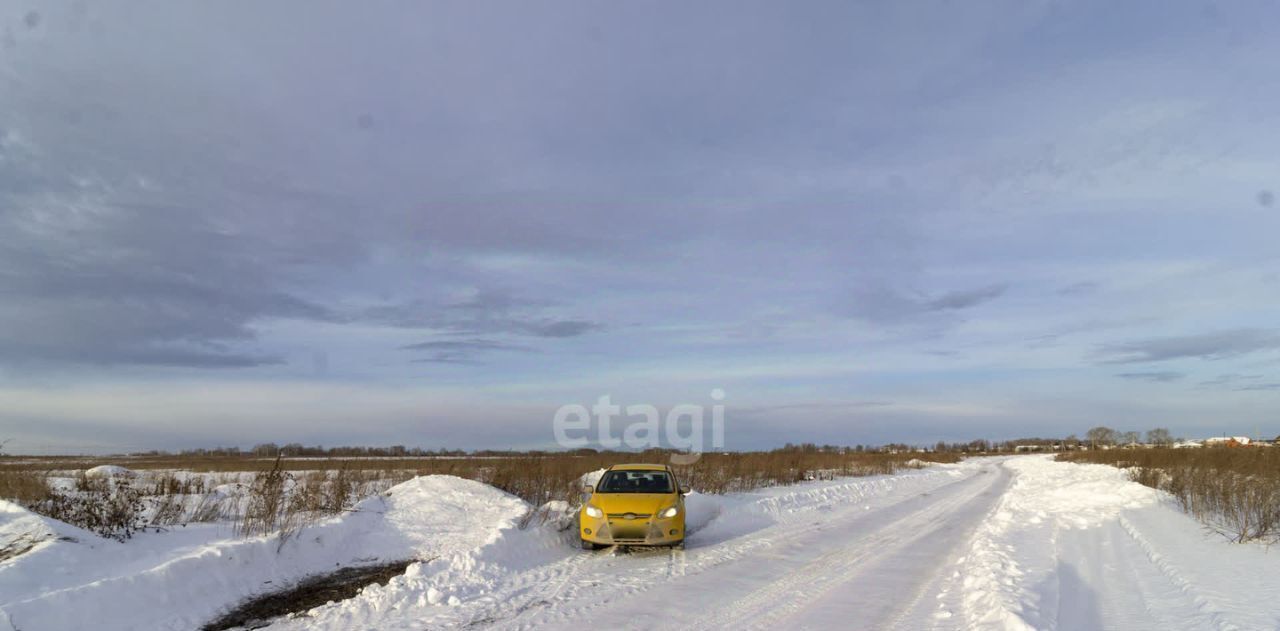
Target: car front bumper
x,y
632,532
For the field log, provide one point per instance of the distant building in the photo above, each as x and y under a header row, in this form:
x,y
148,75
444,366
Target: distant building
x,y
1228,441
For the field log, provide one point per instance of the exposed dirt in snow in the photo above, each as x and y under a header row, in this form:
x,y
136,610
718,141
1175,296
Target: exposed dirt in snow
x,y
310,593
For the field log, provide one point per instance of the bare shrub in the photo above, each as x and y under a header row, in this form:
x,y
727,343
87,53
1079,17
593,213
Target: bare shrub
x,y
340,492
109,508
1146,476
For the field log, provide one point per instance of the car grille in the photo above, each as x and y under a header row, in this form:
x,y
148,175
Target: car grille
x,y
633,515
621,533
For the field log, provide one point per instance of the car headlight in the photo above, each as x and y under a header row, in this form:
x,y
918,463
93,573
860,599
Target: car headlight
x,y
670,512
592,511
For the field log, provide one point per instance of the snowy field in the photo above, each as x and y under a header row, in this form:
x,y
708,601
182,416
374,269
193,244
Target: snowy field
x,y
997,543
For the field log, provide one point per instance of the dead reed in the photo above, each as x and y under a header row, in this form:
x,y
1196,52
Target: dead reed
x,y
281,494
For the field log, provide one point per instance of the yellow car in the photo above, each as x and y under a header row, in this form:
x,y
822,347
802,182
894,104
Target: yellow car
x,y
634,505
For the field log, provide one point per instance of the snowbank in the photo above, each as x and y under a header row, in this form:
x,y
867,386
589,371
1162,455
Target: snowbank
x,y
110,471
88,586
24,532
1009,578
592,478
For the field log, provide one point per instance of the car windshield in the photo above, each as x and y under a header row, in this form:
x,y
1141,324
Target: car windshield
x,y
635,482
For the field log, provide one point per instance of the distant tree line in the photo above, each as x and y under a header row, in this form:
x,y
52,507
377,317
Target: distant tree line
x,y
1103,436
298,450
1096,437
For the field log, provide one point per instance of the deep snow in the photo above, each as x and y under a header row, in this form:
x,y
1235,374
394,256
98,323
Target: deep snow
x,y
184,578
1012,543
110,471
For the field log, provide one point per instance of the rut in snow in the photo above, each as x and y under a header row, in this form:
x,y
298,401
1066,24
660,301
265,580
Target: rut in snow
x,y
308,594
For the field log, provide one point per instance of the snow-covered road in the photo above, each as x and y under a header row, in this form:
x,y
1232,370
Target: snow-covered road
x,y
995,543
873,562
1017,543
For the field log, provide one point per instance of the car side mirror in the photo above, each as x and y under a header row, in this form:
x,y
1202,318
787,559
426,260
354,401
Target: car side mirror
x,y
684,490
588,489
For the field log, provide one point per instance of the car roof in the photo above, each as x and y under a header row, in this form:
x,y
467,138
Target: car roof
x,y
638,467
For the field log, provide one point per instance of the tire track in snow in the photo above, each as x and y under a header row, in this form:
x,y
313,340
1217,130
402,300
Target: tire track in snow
x,y
676,567
1210,614
623,576
553,581
801,587
1095,565
1061,552
604,560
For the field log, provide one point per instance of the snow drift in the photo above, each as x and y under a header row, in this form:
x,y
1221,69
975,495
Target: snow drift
x,y
110,471
186,581
1001,543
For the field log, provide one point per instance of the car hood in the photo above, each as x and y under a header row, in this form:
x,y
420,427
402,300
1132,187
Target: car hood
x,y
640,503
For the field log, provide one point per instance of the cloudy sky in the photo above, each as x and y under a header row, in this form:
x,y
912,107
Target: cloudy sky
x,y
434,223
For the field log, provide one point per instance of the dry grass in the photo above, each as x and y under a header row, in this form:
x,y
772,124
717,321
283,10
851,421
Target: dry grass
x,y
268,510
24,486
534,476
282,502
110,508
1235,492
280,495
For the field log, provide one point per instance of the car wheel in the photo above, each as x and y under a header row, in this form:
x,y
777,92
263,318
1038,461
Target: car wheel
x,y
679,545
587,545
